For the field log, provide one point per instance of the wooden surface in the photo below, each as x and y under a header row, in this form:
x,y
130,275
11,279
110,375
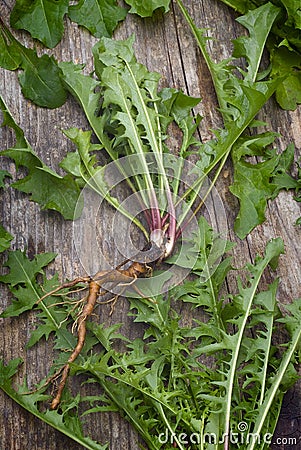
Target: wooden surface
x,y
164,44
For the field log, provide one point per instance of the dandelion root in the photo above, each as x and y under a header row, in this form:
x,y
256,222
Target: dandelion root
x,y
117,277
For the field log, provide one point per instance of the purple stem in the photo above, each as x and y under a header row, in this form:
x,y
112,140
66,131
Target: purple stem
x,y
155,212
164,220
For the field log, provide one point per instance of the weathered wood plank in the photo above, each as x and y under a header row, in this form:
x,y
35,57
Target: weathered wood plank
x,y
164,44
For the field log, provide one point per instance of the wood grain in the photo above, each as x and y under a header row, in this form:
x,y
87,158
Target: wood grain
x,y
164,44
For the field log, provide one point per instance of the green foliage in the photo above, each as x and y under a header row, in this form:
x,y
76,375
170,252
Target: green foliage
x,y
284,45
176,378
27,282
66,421
132,120
286,61
40,77
126,87
5,239
100,17
54,192
22,279
289,19
224,367
257,182
240,98
170,390
293,13
44,19
129,116
146,9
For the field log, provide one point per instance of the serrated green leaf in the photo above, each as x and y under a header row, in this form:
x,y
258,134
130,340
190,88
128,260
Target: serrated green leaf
x,y
86,90
22,280
128,86
106,335
100,17
5,239
284,368
66,422
247,298
282,177
293,319
133,93
53,319
72,164
23,300
253,188
286,60
284,45
288,23
90,172
288,94
23,270
257,182
27,291
157,382
40,77
55,192
40,81
259,23
240,99
44,19
146,9
175,104
9,370
111,59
